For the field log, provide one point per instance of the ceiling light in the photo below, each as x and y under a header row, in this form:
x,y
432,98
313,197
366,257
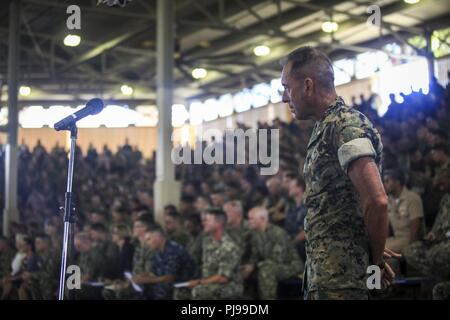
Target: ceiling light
x,y
24,91
329,26
261,51
126,90
72,40
199,73
412,1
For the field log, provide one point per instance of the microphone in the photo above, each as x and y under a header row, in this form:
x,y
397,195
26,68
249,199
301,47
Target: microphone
x,y
93,106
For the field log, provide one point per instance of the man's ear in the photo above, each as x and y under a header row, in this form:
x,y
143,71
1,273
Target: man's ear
x,y
308,85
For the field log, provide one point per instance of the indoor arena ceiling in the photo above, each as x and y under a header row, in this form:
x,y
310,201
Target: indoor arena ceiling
x,y
118,44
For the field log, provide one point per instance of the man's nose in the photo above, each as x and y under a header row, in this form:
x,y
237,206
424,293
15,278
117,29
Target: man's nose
x,y
285,97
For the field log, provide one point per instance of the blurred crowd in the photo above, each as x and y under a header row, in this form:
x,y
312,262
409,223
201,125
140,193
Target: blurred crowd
x,y
235,233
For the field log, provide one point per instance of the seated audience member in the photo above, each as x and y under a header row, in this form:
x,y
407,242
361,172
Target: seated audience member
x,y
221,259
431,256
170,263
237,228
405,211
42,284
295,217
273,256
124,262
24,263
173,226
6,257
141,264
276,203
103,246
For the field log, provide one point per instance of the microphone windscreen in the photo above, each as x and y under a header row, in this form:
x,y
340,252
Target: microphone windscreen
x,y
95,105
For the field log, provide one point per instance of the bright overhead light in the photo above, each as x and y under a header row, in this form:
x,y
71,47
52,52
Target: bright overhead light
x,y
126,90
329,26
72,40
412,1
199,73
261,51
24,91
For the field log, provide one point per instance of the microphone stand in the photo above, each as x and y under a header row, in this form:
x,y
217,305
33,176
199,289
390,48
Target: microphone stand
x,y
69,214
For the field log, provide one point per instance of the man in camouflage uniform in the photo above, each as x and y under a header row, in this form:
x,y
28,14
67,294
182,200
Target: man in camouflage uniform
x,y
347,221
91,266
441,291
105,247
193,225
237,228
45,281
173,226
432,256
6,257
221,277
273,256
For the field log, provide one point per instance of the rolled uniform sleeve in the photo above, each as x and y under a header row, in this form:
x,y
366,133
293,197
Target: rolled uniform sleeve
x,y
354,142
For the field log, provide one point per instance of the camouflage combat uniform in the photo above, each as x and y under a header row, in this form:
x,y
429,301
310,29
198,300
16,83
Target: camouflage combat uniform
x,y
6,258
110,253
45,281
91,267
433,258
141,263
275,259
223,258
441,291
195,249
337,244
242,238
180,237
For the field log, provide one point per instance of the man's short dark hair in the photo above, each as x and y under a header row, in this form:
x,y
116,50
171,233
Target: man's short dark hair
x,y
156,228
98,226
173,214
440,147
171,209
290,175
187,199
44,237
396,174
148,224
310,62
300,182
194,219
29,242
218,214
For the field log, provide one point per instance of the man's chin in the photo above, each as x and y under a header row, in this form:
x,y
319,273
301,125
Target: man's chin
x,y
298,116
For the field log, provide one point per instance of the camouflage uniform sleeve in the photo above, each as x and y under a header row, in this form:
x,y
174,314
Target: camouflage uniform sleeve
x,y
230,259
280,248
442,223
5,263
355,138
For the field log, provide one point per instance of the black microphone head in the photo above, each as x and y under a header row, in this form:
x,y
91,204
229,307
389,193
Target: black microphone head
x,y
95,105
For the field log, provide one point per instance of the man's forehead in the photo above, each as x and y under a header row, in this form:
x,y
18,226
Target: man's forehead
x,y
286,71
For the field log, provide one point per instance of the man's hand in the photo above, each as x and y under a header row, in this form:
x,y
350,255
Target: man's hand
x,y
300,236
387,275
430,237
388,253
193,283
247,269
26,276
139,278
